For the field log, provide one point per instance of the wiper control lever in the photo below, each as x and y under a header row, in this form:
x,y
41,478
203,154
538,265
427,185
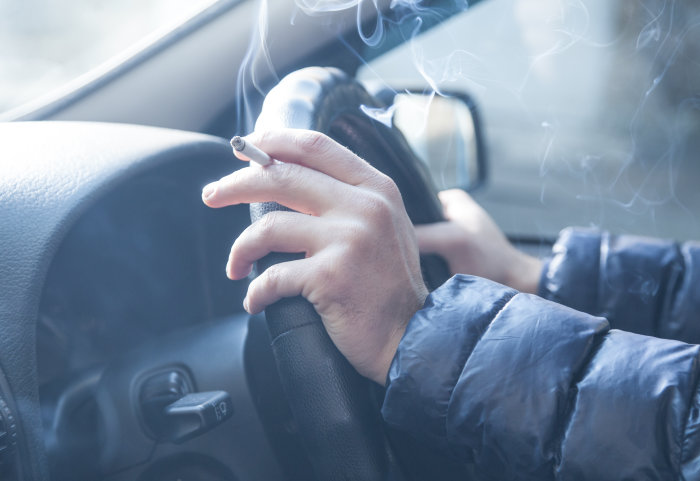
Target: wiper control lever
x,y
172,413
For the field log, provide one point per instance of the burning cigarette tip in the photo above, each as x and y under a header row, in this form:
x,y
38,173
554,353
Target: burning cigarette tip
x,y
238,143
250,151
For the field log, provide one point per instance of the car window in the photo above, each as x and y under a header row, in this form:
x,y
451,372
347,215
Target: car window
x,y
591,108
45,44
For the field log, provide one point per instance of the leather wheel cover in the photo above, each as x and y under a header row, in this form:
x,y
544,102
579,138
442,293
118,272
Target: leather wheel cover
x,y
333,405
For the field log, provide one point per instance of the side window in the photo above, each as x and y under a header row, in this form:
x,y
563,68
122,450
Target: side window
x,y
591,109
45,44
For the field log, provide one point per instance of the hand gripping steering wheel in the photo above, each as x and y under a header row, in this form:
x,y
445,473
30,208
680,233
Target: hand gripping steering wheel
x,y
338,418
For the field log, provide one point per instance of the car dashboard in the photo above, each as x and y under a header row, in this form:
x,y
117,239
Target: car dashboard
x,y
144,260
116,281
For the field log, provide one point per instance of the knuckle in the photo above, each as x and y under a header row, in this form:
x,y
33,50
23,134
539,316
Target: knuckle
x,y
285,176
378,209
267,224
388,187
270,280
312,142
359,235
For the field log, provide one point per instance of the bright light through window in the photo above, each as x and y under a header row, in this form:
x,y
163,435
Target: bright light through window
x,y
45,44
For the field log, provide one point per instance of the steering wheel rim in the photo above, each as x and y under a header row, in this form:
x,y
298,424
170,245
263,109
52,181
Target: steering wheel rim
x,y
338,419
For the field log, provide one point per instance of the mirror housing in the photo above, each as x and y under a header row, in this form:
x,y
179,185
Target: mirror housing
x,y
444,130
446,133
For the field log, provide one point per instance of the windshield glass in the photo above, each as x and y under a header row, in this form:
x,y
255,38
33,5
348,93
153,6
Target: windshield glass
x,y
45,44
591,108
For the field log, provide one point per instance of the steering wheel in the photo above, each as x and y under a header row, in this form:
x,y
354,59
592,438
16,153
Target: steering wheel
x,y
338,417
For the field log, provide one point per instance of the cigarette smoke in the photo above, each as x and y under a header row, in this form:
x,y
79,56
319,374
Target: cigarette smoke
x,y
598,100
405,18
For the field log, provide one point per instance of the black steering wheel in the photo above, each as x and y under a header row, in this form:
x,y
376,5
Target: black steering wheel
x,y
338,416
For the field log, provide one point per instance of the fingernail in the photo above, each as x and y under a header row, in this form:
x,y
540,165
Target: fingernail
x,y
209,190
245,305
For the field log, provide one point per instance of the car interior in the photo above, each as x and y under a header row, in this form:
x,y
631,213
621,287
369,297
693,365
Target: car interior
x,y
125,353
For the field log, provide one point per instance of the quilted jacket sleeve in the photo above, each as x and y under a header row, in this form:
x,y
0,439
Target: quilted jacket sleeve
x,y
524,388
641,285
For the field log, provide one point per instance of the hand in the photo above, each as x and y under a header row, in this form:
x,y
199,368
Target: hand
x,y
472,243
361,270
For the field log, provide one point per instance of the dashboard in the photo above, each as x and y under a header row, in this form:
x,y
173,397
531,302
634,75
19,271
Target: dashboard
x,y
114,281
146,259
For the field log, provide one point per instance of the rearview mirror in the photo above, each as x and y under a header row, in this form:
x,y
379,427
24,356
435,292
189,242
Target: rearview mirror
x,y
445,132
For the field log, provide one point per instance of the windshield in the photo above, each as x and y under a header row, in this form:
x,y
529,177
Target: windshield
x,y
591,108
46,44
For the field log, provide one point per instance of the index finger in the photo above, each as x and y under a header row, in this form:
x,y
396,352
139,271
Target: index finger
x,y
314,150
297,187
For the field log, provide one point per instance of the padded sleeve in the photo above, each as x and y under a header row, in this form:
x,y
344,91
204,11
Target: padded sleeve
x,y
643,285
524,388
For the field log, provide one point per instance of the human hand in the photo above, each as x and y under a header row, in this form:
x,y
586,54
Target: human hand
x,y
472,243
361,270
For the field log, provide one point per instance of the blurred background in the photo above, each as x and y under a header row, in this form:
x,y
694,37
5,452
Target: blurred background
x,y
591,109
45,44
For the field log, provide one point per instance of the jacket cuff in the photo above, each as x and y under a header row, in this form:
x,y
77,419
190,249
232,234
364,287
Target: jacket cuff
x,y
570,277
632,281
433,351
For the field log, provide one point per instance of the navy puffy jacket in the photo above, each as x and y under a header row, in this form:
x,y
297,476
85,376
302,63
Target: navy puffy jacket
x,y
525,388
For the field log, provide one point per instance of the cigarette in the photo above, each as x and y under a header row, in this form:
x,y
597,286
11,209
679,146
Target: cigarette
x,y
250,151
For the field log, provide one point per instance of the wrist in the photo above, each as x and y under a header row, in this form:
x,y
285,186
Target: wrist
x,y
386,356
524,273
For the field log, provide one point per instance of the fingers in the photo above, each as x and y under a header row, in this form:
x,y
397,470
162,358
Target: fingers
x,y
274,232
299,188
455,201
431,237
450,196
278,281
314,150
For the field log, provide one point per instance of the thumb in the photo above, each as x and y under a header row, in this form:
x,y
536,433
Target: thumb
x,y
431,237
